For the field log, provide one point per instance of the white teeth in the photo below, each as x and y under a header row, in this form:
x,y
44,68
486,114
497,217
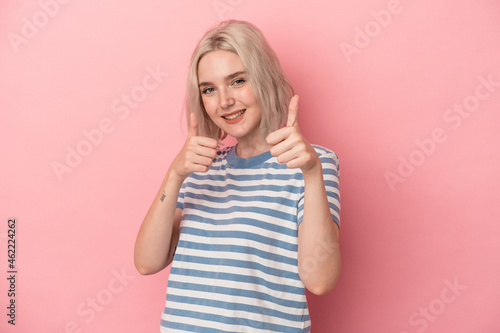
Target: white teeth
x,y
234,116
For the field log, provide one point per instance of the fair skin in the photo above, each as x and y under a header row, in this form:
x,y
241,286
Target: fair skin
x,y
230,103
225,91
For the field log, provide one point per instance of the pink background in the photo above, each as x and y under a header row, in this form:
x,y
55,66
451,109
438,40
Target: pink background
x,y
404,243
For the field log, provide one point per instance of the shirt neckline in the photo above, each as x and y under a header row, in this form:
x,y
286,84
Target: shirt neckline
x,y
239,162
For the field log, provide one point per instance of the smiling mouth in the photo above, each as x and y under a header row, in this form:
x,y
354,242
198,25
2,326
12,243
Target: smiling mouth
x,y
234,115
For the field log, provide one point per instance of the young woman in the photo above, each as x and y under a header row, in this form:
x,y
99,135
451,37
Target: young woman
x,y
247,228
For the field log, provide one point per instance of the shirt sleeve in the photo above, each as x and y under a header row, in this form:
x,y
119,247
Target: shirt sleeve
x,y
331,172
180,198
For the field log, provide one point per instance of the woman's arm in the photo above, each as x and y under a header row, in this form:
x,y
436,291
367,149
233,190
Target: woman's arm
x,y
159,232
319,251
318,244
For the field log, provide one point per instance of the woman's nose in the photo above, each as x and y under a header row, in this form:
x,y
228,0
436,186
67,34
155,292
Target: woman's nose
x,y
226,99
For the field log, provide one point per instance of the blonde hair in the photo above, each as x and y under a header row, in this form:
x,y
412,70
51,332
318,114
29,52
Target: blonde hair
x,y
271,88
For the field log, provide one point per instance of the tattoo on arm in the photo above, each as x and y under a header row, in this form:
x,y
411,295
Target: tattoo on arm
x,y
162,197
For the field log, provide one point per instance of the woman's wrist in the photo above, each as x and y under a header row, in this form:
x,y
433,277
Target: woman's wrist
x,y
315,170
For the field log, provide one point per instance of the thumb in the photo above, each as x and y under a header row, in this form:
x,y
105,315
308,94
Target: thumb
x,y
193,125
293,110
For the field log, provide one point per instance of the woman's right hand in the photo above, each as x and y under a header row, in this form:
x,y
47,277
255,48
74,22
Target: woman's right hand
x,y
197,153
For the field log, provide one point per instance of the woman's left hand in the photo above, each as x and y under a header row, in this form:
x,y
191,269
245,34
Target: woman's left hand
x,y
290,146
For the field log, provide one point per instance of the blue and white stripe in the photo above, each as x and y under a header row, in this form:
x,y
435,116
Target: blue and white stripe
x,y
235,266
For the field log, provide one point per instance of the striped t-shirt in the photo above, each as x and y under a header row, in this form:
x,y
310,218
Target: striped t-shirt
x,y
235,266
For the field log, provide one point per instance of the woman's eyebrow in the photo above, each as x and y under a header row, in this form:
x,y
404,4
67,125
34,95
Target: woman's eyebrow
x,y
227,78
232,76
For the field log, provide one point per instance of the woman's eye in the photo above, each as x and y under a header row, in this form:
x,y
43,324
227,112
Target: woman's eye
x,y
207,90
239,81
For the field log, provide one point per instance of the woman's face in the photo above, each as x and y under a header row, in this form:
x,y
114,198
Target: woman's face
x,y
228,97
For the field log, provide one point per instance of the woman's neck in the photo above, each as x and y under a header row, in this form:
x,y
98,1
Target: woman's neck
x,y
246,149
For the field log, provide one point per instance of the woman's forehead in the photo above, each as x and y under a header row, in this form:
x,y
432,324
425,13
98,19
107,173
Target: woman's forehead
x,y
218,65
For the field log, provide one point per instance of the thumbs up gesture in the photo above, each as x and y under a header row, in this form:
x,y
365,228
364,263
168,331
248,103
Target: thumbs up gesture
x,y
197,153
289,145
